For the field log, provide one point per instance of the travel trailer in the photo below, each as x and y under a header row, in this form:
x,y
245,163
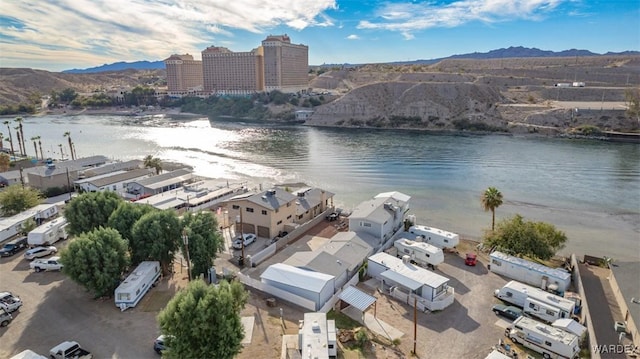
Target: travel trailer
x,y
12,226
48,233
435,237
536,302
422,253
137,284
549,341
522,270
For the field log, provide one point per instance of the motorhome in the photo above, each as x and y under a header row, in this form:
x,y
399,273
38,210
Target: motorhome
x,y
549,341
522,270
435,237
421,253
48,233
137,284
536,302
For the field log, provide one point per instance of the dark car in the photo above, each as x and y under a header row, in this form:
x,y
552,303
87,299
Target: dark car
x,y
159,344
333,216
507,311
14,247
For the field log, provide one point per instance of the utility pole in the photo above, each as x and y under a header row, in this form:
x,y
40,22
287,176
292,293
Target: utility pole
x,y
185,241
241,261
415,323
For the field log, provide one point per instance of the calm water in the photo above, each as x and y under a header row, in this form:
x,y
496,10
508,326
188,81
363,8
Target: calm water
x,y
589,189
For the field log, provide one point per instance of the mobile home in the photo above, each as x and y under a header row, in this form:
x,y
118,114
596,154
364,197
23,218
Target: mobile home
x,y
48,233
536,302
528,272
420,252
12,226
137,284
436,237
549,341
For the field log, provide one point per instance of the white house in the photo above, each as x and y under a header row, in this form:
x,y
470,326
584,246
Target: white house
x,y
381,216
317,337
314,286
160,183
432,288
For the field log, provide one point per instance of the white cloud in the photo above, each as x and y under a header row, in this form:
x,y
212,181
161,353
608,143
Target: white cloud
x,y
353,37
408,18
96,32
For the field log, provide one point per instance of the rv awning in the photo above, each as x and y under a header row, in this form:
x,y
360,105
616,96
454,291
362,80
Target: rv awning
x,y
357,298
400,279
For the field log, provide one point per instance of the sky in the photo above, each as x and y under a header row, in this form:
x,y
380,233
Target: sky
x,y
57,35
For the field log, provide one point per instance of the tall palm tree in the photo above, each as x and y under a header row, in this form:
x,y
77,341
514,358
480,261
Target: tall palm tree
x,y
153,162
35,144
68,136
492,199
61,152
40,145
22,152
22,142
10,137
1,140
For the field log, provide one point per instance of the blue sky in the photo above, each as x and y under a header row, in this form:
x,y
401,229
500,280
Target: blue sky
x,y
56,35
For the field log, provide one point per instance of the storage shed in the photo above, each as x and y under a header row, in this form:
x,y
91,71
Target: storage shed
x,y
315,286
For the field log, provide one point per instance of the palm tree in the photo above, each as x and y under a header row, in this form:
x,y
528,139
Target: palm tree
x,y
10,137
68,136
40,145
35,144
19,140
153,162
24,147
1,140
492,199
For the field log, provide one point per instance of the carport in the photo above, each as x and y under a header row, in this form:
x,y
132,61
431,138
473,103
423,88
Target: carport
x,y
357,299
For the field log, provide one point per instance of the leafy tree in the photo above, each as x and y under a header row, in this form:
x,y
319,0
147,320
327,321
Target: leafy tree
x,y
91,210
125,216
203,321
205,240
491,199
28,226
153,162
155,236
96,260
15,199
632,97
533,239
67,95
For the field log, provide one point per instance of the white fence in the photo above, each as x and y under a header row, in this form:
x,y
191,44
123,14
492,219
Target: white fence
x,y
263,255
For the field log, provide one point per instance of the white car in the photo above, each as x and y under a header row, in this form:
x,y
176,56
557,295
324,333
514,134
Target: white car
x,y
248,239
39,252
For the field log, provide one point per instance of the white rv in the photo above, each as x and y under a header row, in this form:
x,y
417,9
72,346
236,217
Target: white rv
x,y
549,341
137,284
436,237
12,226
536,302
48,233
529,272
419,252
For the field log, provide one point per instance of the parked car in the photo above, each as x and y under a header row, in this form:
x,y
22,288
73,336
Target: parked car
x,y
5,318
248,239
332,216
471,259
68,350
158,344
507,311
39,252
13,247
9,302
40,265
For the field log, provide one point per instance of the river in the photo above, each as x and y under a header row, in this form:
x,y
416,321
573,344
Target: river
x,y
588,189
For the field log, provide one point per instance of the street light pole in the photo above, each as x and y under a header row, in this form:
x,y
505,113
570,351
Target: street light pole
x,y
239,218
185,241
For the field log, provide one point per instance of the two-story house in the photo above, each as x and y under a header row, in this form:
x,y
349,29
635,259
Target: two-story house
x,y
380,216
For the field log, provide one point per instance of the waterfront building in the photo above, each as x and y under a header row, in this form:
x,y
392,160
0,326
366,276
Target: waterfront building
x,y
184,74
286,65
232,73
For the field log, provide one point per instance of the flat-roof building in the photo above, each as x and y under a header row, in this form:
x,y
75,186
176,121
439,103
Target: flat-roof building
x,y
317,337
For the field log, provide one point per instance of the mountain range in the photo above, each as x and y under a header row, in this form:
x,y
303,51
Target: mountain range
x,y
511,52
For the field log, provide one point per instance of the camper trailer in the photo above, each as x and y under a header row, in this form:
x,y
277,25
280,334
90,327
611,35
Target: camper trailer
x,y
12,226
522,270
137,284
549,341
435,237
48,233
536,302
422,253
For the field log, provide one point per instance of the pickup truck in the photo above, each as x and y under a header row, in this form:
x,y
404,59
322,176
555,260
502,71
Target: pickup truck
x,y
69,350
40,265
9,302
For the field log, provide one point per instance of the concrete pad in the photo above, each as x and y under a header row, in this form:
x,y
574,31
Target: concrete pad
x,y
289,341
316,242
247,323
502,323
376,325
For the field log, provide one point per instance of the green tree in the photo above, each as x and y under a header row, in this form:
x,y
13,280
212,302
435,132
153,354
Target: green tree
x,y
28,226
91,210
15,199
203,321
67,95
153,162
125,216
632,97
155,236
523,238
96,260
491,199
21,139
205,241
72,150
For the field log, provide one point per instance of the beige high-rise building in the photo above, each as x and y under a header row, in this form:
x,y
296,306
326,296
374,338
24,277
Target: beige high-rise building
x,y
232,73
184,74
286,65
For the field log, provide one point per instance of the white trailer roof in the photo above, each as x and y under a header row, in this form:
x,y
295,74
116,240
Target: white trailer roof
x,y
541,295
551,272
296,277
419,246
407,273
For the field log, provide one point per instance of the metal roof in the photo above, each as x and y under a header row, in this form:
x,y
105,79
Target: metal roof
x,y
398,196
296,277
357,298
570,326
412,273
120,177
400,279
551,272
